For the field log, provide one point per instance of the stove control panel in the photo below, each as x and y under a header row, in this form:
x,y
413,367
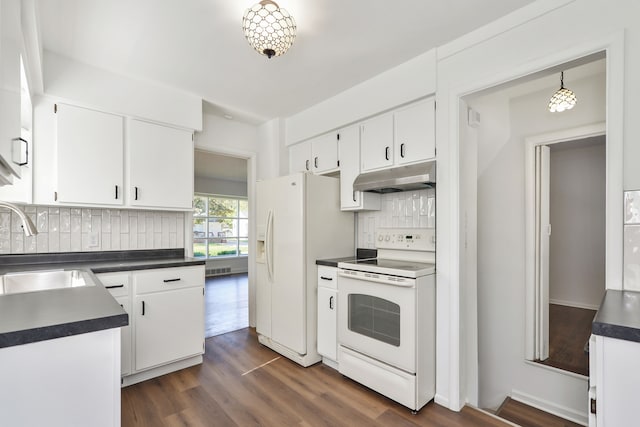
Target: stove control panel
x,y
415,239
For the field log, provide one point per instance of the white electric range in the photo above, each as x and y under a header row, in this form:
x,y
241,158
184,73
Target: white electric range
x,y
386,317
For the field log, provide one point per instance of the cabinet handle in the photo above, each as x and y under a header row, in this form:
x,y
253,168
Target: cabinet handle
x,y
315,162
306,164
26,151
171,280
116,192
386,153
136,193
114,286
354,196
331,302
143,307
326,278
402,150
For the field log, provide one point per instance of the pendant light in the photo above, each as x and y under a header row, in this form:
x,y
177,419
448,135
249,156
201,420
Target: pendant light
x,y
563,99
269,29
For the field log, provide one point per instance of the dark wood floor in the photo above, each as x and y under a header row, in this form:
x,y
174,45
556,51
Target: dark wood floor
x,y
526,416
569,330
226,304
242,383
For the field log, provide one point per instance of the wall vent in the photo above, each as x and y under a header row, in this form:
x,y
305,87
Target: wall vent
x,y
218,271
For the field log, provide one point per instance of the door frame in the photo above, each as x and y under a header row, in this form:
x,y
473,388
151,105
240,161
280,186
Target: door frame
x,y
532,291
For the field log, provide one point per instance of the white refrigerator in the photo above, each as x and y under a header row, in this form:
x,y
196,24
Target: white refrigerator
x,y
298,221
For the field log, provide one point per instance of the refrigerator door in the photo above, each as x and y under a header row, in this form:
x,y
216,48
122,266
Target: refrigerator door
x,y
263,285
288,288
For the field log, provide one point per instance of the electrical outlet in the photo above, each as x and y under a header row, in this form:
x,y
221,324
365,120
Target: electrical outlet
x,y
94,239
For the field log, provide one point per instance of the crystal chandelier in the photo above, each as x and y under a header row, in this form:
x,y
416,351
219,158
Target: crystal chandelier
x,y
563,99
269,29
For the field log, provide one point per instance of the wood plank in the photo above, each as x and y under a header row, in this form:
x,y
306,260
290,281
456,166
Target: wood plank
x,y
527,416
222,392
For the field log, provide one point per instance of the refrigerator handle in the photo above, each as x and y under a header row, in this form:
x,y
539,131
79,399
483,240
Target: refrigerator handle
x,y
269,244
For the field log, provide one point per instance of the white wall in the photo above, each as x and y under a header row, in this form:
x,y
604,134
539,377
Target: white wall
x,y
113,93
577,250
220,187
505,124
402,84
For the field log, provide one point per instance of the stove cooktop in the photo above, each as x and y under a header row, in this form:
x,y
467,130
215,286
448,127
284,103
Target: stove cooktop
x,y
392,267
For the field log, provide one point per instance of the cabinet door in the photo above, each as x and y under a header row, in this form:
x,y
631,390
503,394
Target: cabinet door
x,y
10,41
160,166
300,157
168,326
415,135
324,153
125,338
376,142
327,322
349,153
90,156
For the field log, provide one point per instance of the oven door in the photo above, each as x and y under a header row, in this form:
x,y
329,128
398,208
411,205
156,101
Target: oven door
x,y
377,317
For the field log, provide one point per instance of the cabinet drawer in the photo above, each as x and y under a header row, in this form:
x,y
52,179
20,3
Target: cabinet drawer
x,y
164,279
116,283
327,277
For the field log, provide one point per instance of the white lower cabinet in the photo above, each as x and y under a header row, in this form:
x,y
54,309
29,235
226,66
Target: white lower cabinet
x,y
168,327
166,319
327,312
614,381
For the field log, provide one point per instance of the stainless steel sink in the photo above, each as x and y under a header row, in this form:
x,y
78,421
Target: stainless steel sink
x,y
33,281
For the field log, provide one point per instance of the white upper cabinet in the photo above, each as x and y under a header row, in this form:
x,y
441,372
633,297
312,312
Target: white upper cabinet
x,y
89,156
401,137
10,42
300,157
415,136
160,166
349,152
376,142
324,153
318,155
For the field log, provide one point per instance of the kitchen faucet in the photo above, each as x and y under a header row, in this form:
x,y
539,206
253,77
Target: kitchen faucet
x,y
27,225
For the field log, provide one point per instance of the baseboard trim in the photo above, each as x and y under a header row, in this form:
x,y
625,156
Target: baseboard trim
x,y
441,400
552,408
574,304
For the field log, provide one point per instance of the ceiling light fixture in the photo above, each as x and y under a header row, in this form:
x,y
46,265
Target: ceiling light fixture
x,y
269,29
563,99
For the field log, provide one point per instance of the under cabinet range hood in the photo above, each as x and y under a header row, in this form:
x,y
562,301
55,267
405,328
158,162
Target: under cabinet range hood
x,y
399,178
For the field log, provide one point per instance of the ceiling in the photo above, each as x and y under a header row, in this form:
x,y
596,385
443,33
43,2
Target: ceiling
x,y
198,45
213,166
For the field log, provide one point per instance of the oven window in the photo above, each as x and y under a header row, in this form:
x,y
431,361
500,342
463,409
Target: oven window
x,y
375,317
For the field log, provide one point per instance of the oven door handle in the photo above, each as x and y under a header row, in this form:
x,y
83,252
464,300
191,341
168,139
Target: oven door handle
x,y
378,278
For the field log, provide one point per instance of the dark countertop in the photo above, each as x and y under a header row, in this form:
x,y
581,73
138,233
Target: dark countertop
x,y
360,254
38,316
618,316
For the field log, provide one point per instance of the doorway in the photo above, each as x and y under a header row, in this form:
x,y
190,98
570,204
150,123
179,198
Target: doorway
x,y
570,234
495,126
221,237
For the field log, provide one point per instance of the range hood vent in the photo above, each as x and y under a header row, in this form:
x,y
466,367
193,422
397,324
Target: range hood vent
x,y
400,178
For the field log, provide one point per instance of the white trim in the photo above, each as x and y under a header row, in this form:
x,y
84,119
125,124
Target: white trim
x,y
550,407
500,26
574,304
497,417
557,370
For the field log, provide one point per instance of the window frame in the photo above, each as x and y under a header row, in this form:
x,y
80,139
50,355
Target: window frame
x,y
207,219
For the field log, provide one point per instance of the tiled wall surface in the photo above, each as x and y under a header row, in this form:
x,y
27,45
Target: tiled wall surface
x,y
411,209
632,240
79,230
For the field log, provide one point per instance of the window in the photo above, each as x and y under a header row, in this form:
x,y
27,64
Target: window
x,y
220,226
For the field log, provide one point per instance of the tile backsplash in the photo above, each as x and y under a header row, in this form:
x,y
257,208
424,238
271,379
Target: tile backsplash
x,y
62,229
632,240
411,209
